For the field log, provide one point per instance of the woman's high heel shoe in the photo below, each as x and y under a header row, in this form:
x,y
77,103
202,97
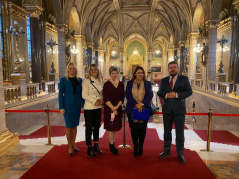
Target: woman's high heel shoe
x,y
91,153
76,149
70,153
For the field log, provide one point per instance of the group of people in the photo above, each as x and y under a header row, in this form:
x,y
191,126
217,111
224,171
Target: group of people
x,y
91,94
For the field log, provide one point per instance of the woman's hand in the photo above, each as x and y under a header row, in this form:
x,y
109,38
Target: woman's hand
x,y
138,105
115,112
62,111
98,102
114,108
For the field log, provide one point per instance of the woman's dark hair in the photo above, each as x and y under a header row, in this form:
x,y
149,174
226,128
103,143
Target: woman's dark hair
x,y
135,71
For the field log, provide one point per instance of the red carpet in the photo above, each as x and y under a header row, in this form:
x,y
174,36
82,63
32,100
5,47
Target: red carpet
x,y
56,131
57,164
223,137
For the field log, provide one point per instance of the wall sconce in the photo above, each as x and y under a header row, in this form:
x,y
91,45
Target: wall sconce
x,y
113,52
198,49
157,52
171,59
100,59
74,50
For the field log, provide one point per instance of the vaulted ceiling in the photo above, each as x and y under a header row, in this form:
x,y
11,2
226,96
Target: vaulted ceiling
x,y
118,19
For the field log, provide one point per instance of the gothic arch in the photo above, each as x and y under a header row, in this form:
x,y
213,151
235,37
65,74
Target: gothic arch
x,y
197,17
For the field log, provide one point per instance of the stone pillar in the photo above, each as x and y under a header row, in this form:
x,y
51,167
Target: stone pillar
x,y
121,65
148,71
90,53
193,56
79,55
34,8
182,48
236,63
170,55
212,49
107,57
101,62
96,55
164,67
7,139
62,49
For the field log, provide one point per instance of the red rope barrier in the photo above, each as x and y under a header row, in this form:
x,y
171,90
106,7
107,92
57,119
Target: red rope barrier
x,y
57,111
29,111
54,111
232,115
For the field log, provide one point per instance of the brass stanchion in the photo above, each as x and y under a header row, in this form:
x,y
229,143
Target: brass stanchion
x,y
124,145
209,131
194,119
48,124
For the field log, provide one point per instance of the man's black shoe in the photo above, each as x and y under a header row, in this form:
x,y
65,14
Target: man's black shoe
x,y
181,159
164,154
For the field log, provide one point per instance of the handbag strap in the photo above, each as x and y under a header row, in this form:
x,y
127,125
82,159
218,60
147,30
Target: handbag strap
x,y
94,86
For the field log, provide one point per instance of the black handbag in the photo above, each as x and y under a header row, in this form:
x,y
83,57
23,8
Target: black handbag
x,y
153,109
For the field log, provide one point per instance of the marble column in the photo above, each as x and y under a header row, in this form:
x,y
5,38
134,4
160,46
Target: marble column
x,y
193,56
148,71
170,55
236,63
212,49
182,56
79,55
90,53
164,67
101,62
62,50
107,57
34,9
7,139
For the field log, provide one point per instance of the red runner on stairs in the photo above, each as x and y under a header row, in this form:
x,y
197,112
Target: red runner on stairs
x,y
57,164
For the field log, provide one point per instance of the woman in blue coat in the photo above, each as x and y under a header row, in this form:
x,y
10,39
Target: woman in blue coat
x,y
70,103
139,95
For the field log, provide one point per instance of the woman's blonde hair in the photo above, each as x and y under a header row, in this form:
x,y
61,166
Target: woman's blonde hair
x,y
67,67
98,75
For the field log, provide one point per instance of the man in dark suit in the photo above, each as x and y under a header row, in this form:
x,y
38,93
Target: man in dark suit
x,y
174,89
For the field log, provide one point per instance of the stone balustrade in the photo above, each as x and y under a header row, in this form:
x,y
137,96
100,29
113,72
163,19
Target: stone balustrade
x,y
32,90
48,86
12,93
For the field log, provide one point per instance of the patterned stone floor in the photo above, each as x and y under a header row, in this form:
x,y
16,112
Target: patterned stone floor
x,y
223,162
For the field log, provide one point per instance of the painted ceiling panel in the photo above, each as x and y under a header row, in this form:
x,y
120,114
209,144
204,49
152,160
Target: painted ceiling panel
x,y
144,21
127,21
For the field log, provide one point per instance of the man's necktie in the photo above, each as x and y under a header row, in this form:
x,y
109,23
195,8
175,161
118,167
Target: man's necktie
x,y
171,82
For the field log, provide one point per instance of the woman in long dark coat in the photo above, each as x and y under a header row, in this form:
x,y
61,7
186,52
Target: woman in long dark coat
x,y
113,96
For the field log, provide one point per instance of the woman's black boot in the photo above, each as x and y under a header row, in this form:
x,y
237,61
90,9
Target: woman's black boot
x,y
97,149
90,152
113,149
140,150
136,150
